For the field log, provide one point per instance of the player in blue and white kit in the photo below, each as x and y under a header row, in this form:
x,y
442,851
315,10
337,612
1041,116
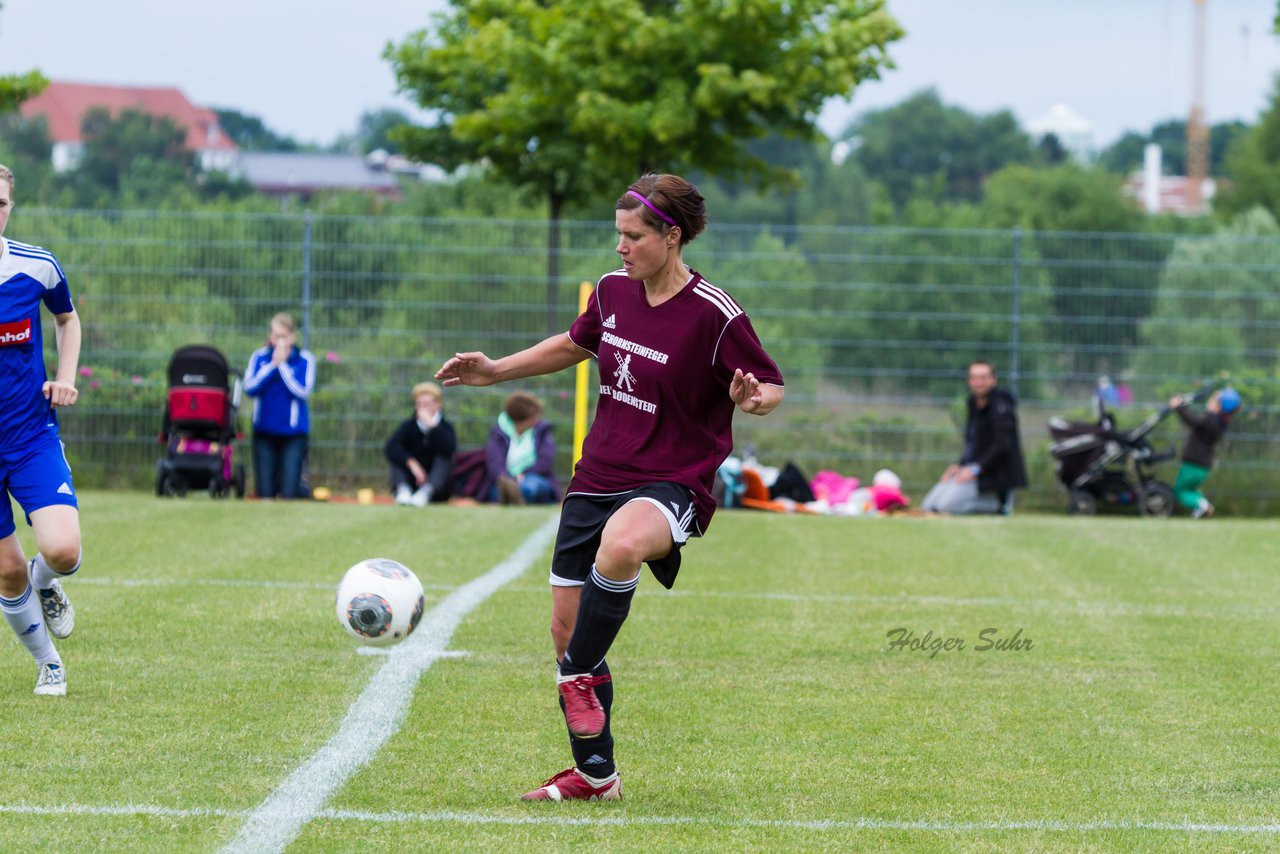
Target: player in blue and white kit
x,y
33,468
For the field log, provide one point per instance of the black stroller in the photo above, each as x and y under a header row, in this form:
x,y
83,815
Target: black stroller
x,y
1100,465
199,426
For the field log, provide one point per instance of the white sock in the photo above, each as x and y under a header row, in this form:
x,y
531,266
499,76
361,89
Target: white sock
x,y
43,575
24,616
597,781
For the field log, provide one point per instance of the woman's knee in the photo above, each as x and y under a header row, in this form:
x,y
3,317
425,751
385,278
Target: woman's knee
x,y
621,553
62,556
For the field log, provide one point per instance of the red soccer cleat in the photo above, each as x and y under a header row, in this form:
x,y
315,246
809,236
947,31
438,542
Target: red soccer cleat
x,y
582,709
571,785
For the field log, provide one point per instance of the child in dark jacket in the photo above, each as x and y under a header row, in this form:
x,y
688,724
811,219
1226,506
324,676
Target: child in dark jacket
x,y
421,451
520,454
1207,428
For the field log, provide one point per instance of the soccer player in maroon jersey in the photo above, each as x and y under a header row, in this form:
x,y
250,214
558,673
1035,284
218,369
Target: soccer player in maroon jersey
x,y
676,356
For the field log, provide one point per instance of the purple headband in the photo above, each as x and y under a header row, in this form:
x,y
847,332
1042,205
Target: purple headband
x,y
650,205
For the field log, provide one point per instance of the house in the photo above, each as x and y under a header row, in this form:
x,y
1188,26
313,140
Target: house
x,y
302,174
64,106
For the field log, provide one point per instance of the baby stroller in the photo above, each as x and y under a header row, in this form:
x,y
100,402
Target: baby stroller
x,y
1101,465
199,427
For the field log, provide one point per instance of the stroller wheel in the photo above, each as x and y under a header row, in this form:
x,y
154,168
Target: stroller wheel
x,y
174,485
1081,503
1156,499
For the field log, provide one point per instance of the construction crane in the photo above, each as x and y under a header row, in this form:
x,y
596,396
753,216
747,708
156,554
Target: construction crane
x,y
1197,130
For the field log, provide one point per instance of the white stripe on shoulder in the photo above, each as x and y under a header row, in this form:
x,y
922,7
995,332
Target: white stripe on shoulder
x,y
37,253
721,292
29,247
726,307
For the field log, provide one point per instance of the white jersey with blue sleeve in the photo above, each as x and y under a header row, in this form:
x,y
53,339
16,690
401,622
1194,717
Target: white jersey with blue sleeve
x,y
29,275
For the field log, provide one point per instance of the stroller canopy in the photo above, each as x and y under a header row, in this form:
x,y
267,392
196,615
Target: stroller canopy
x,y
199,365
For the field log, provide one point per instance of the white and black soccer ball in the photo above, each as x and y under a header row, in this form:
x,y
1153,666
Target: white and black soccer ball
x,y
379,601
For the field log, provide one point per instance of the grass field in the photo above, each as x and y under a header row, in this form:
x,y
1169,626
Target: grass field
x,y
760,706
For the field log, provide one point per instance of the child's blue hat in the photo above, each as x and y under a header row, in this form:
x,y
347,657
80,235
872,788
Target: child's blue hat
x,y
1229,400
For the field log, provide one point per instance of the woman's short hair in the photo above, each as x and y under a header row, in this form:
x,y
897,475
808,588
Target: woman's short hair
x,y
285,320
428,388
521,405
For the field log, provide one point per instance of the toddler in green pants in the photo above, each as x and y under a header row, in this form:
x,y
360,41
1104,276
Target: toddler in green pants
x,y
1207,428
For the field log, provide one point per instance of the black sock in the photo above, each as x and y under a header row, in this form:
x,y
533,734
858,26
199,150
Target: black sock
x,y
600,612
594,756
602,608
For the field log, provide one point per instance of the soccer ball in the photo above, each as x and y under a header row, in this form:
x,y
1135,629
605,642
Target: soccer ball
x,y
379,601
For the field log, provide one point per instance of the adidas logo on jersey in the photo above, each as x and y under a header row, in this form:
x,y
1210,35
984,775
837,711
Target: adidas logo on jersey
x,y
65,489
611,322
18,332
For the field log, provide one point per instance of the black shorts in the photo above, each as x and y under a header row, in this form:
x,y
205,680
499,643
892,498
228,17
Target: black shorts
x,y
583,517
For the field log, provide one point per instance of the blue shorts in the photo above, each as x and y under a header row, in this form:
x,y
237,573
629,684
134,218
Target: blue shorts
x,y
37,476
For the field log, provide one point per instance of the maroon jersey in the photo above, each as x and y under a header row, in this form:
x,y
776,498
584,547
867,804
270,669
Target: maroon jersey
x,y
664,412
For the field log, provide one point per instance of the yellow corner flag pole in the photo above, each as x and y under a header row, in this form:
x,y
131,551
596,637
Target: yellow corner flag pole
x,y
580,396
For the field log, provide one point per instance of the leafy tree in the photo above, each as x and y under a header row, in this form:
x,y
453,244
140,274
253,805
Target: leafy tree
x,y
25,148
1090,275
922,138
823,194
251,133
578,97
1125,154
16,88
1050,150
1253,165
1216,308
134,152
381,129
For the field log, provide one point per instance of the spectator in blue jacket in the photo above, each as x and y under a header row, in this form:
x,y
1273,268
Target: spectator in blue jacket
x,y
280,379
521,452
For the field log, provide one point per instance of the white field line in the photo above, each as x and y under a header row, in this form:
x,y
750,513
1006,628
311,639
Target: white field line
x,y
1119,609
554,820
378,712
109,581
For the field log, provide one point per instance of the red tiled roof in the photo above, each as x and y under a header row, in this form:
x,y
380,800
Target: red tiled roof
x,y
64,106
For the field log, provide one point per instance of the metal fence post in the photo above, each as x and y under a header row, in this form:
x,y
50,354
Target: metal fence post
x,y
1015,311
306,280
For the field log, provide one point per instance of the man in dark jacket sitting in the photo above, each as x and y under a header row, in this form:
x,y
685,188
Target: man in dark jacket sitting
x,y
421,450
991,466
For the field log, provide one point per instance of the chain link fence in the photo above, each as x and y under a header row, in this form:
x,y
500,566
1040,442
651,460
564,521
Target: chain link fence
x,y
873,329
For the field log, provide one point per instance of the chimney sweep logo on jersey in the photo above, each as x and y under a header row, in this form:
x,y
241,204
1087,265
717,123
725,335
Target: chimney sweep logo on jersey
x,y
18,332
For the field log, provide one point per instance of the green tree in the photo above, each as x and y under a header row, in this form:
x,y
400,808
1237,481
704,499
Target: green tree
x,y
922,138
251,133
1071,214
1253,165
1216,308
1125,154
578,97
380,129
26,149
16,88
135,154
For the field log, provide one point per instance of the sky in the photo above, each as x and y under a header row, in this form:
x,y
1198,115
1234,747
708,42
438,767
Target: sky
x,y
309,73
